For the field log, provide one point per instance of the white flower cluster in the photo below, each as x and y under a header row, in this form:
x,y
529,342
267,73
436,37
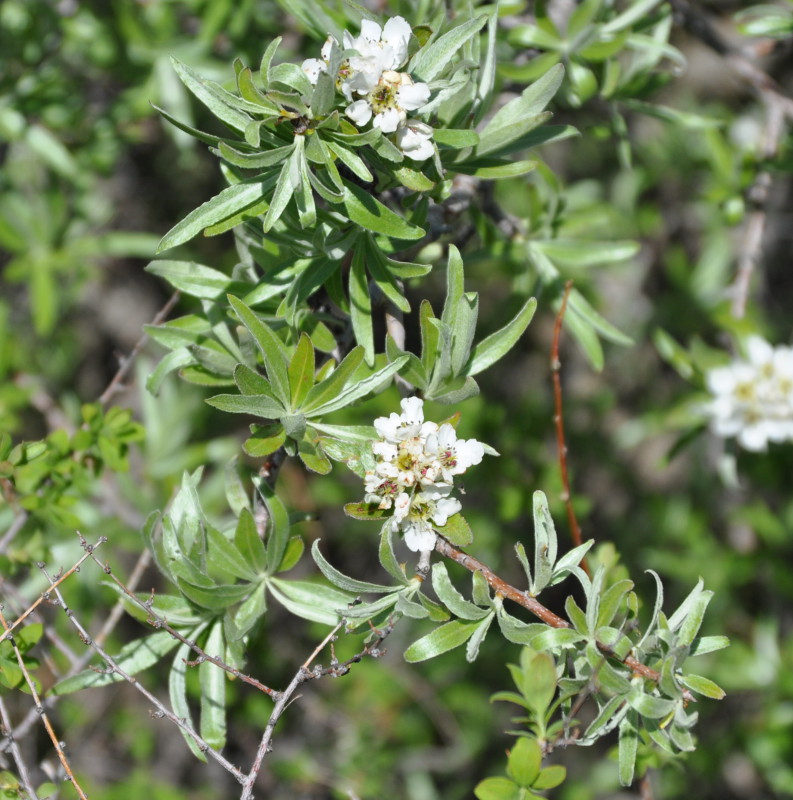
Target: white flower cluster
x,y
417,462
374,88
753,398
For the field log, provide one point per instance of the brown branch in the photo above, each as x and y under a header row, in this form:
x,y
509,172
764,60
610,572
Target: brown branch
x,y
533,605
558,420
56,742
126,363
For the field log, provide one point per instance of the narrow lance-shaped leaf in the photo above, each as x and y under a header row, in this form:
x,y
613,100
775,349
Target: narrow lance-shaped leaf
x,y
498,344
213,690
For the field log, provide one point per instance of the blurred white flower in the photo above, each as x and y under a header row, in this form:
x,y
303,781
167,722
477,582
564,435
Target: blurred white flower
x,y
417,462
314,66
753,397
414,139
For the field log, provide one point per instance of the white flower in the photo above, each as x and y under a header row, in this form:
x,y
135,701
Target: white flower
x,y
379,49
389,101
753,398
314,66
453,456
414,139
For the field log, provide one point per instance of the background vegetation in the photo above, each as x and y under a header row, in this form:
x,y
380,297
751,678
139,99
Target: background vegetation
x,y
670,211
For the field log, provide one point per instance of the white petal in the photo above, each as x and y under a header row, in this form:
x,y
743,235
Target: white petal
x,y
313,67
759,350
360,112
468,453
370,30
415,140
445,509
396,35
413,96
420,537
412,410
327,47
388,120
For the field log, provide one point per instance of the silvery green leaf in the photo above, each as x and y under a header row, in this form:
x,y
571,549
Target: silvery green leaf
x,y
520,551
433,58
193,279
568,561
632,13
268,158
612,713
258,405
176,359
311,601
708,644
628,747
593,600
212,680
516,631
350,394
267,58
676,620
586,252
498,344
223,555
289,181
361,302
474,643
649,706
441,640
693,621
480,590
519,115
363,611
177,691
220,207
579,305
659,602
409,608
454,392
413,371
356,164
372,215
556,639
344,582
451,598
271,347
702,686
611,600
224,105
386,555
545,543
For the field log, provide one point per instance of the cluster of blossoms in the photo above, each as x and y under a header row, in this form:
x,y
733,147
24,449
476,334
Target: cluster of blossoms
x,y
374,88
416,465
753,398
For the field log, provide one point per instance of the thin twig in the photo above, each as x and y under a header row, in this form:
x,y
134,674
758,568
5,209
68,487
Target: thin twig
x,y
162,711
126,363
301,676
778,108
558,419
22,769
533,605
40,708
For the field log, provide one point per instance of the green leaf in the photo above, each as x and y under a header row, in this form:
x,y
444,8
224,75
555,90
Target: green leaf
x,y
301,371
311,601
278,525
270,345
539,682
702,686
524,761
628,748
220,207
265,439
446,637
361,302
220,102
247,541
520,115
372,215
387,558
451,598
649,706
433,58
341,580
498,789
498,344
132,658
259,405
213,690
350,394
708,644
456,139
545,543
177,690
456,530
216,598
289,180
225,556
327,390
193,279
550,777
365,511
293,553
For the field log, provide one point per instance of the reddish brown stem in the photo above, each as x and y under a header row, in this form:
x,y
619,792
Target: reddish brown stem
x,y
533,605
558,419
